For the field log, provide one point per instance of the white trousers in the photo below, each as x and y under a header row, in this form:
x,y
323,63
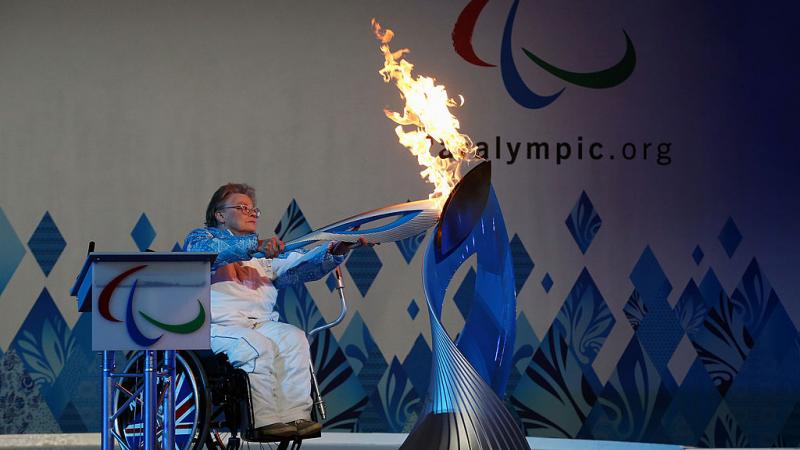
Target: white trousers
x,y
276,355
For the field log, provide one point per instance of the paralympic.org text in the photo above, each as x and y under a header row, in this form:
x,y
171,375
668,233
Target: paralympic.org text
x,y
563,151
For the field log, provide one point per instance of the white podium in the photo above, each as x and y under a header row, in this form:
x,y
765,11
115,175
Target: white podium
x,y
150,302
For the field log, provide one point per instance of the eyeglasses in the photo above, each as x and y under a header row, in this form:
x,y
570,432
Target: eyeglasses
x,y
244,209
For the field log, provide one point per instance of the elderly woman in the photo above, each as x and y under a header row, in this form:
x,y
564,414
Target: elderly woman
x,y
244,325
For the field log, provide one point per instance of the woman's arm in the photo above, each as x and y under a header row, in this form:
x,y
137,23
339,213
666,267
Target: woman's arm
x,y
300,267
229,248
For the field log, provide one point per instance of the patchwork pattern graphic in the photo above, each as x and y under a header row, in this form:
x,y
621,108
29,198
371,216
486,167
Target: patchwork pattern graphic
x,y
44,342
635,310
464,295
525,343
583,222
399,399
740,388
293,224
547,282
523,264
408,247
363,265
330,282
11,251
46,244
730,237
559,386
417,365
413,309
143,233
21,404
632,403
697,255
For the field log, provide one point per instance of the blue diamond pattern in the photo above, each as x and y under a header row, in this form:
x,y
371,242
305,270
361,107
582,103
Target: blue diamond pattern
x,y
635,310
373,418
46,244
583,222
697,255
418,365
724,431
547,282
11,251
293,224
711,289
693,405
330,282
659,330
525,343
650,280
465,293
399,399
765,390
177,247
44,342
363,353
730,237
584,320
635,384
408,247
754,294
23,406
723,341
544,394
413,309
143,233
691,309
659,333
523,264
363,265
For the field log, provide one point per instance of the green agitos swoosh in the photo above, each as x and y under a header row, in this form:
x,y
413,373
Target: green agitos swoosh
x,y
181,328
602,79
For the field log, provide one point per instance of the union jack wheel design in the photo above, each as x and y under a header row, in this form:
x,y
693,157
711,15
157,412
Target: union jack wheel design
x,y
191,404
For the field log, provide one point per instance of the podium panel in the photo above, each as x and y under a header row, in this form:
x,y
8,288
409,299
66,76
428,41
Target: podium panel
x,y
153,305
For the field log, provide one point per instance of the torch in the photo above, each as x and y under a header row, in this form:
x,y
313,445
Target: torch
x,y
461,209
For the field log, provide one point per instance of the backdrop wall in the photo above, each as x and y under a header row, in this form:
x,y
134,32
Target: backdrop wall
x,y
657,294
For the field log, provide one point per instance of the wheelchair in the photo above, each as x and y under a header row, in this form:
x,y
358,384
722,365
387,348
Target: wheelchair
x,y
212,403
212,400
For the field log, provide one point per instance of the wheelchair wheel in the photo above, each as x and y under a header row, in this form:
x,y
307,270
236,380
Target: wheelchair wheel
x,y
191,403
231,414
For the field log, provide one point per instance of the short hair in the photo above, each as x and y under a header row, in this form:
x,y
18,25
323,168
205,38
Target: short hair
x,y
221,194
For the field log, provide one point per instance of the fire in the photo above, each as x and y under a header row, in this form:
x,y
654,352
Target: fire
x,y
427,113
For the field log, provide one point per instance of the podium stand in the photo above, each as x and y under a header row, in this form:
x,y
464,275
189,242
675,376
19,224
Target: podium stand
x,y
149,302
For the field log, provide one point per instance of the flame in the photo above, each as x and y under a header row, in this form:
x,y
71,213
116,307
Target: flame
x,y
427,113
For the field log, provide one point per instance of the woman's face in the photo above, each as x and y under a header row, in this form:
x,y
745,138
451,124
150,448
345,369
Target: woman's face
x,y
231,215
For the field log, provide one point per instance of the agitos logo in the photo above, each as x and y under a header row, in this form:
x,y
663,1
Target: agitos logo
x,y
516,87
104,302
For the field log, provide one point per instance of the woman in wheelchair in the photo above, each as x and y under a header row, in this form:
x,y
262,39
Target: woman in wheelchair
x,y
245,279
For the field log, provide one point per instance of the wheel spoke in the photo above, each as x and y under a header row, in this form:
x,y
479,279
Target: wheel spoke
x,y
129,423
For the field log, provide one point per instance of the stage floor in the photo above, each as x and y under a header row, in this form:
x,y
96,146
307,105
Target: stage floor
x,y
329,441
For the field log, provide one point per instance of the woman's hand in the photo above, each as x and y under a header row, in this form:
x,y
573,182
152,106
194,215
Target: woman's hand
x,y
341,248
270,247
